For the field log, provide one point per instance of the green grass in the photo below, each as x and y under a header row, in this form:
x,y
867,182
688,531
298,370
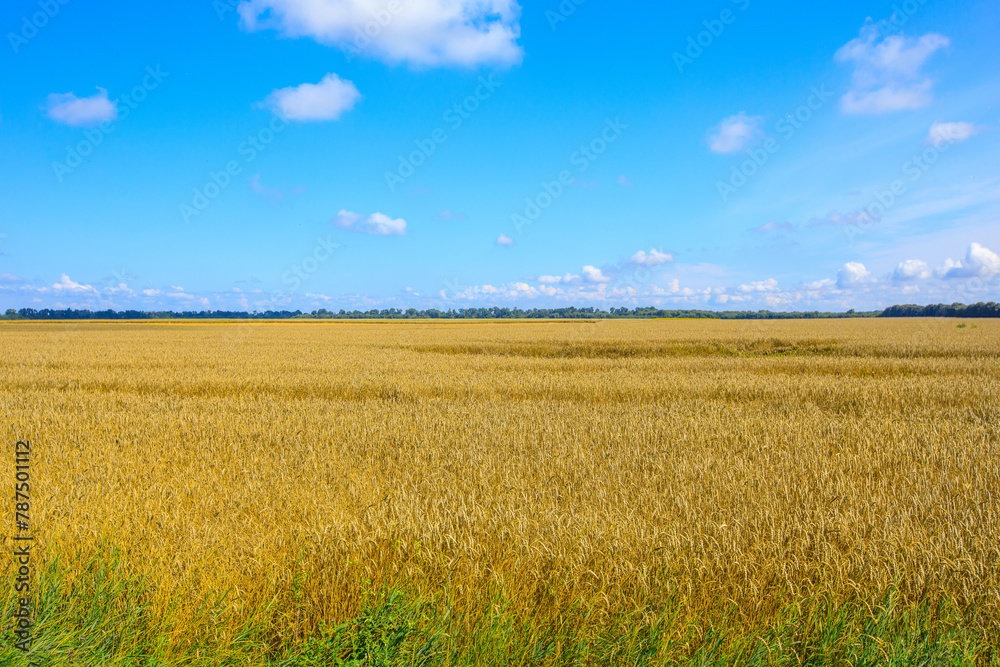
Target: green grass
x,y
103,619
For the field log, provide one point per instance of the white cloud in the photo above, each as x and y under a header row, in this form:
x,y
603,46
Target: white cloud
x,y
376,223
567,279
735,133
121,289
820,285
325,100
65,285
854,286
887,72
854,274
419,32
503,239
769,285
592,274
979,262
69,109
911,269
942,133
653,258
887,99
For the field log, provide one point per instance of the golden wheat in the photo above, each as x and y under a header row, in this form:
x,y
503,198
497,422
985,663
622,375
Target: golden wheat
x,y
611,464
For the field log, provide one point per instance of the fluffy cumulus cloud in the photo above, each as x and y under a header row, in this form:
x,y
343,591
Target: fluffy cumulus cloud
x,y
652,258
326,100
503,239
592,274
949,133
735,133
69,109
853,274
67,286
979,262
888,71
911,269
376,224
419,32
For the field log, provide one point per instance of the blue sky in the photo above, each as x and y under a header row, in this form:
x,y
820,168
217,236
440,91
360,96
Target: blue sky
x,y
453,153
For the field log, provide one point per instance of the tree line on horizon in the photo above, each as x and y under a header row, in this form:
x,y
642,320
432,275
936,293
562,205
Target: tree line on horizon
x,y
977,310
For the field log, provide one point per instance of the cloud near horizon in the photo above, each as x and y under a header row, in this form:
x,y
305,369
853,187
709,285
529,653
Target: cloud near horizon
x,y
911,269
974,278
853,274
979,262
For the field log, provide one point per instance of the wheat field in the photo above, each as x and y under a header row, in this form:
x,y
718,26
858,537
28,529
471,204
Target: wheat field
x,y
573,487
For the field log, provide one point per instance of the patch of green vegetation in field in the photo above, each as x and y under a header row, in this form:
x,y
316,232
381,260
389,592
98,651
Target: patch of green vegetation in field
x,y
96,616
